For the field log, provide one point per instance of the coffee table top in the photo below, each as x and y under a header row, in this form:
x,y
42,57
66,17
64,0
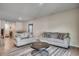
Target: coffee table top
x,y
39,45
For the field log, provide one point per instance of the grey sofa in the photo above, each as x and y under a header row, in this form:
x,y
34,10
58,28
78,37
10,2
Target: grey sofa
x,y
23,39
55,38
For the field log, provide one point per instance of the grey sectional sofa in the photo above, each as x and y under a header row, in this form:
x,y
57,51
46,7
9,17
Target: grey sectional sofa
x,y
55,38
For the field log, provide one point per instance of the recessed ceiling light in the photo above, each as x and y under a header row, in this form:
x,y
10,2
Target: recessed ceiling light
x,y
19,18
41,4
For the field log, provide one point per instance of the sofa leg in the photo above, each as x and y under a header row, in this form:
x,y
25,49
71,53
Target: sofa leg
x,y
68,46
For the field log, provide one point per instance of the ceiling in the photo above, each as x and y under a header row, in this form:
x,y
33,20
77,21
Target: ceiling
x,y
30,11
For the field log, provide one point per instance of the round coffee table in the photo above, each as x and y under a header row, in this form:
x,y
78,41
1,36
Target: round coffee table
x,y
40,48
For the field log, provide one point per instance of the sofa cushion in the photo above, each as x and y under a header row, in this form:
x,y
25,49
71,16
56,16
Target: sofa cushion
x,y
50,35
55,35
54,40
61,36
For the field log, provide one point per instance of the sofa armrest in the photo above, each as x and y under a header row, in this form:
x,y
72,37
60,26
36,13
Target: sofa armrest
x,y
18,39
67,41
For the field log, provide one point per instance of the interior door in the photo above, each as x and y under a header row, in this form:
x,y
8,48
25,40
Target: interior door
x,y
30,29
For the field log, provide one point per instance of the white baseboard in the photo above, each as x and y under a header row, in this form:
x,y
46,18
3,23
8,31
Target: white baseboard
x,y
74,46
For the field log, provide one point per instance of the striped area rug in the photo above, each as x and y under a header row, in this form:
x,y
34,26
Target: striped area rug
x,y
26,51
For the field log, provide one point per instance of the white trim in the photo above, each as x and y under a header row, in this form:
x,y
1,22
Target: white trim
x,y
74,46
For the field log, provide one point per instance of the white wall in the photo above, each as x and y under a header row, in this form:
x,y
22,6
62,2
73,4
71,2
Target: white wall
x,y
0,26
66,21
20,26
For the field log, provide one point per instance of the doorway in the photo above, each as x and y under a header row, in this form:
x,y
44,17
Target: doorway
x,y
30,30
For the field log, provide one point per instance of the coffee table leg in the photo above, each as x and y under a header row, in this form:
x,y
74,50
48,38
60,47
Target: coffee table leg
x,y
34,52
44,52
